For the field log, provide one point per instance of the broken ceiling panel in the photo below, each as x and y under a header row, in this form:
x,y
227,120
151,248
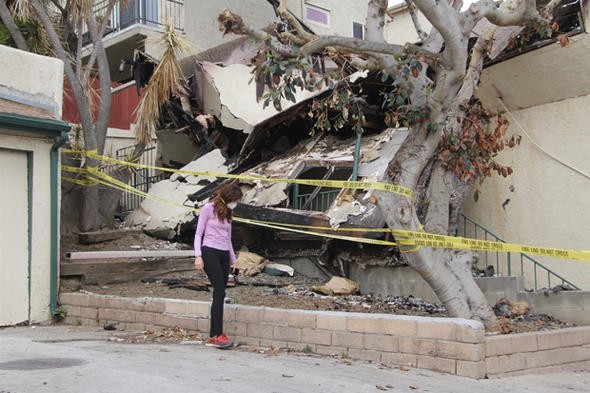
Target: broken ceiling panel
x,y
231,97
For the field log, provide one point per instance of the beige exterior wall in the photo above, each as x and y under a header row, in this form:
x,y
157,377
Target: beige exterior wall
x,y
550,204
32,80
41,89
40,229
201,27
342,14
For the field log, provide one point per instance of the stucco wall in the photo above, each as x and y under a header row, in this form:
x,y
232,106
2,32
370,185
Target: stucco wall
x,y
31,79
32,85
201,25
549,205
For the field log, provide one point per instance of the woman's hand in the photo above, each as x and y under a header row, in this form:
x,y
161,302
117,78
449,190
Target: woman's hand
x,y
199,264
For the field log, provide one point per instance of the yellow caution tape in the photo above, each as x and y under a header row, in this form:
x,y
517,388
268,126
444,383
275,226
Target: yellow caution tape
x,y
415,239
392,188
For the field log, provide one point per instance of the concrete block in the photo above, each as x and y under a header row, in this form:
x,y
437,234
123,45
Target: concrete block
x,y
234,328
89,312
155,305
175,306
417,346
301,319
399,359
286,333
498,345
506,363
445,330
364,354
524,342
98,301
548,340
470,332
114,302
276,344
275,316
187,323
198,309
73,310
572,337
229,312
494,366
381,342
347,340
203,325
369,323
75,299
248,314
133,327
165,320
475,370
116,315
247,341
145,317
137,304
301,347
331,350
334,321
314,336
437,364
403,327
258,330
460,351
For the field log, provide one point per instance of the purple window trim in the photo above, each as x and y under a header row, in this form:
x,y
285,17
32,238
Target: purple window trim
x,y
317,15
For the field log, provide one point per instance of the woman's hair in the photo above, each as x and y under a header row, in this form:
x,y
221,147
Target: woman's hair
x,y
224,195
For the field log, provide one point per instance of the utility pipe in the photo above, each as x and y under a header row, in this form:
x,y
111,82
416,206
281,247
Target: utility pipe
x,y
54,220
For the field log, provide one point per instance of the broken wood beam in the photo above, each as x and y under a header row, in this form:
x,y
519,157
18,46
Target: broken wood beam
x,y
105,235
109,271
130,254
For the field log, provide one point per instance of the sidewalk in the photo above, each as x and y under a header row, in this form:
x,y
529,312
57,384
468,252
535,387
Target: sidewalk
x,y
81,359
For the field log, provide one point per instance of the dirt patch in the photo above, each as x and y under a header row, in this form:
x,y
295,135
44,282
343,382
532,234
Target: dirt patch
x,y
295,292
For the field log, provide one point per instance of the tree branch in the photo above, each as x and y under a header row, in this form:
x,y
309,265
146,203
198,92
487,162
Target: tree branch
x,y
422,35
510,14
375,20
285,14
79,94
13,29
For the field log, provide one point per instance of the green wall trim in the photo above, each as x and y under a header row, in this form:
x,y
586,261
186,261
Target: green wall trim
x,y
44,127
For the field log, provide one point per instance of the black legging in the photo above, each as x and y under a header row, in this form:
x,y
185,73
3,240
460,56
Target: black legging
x,y
217,269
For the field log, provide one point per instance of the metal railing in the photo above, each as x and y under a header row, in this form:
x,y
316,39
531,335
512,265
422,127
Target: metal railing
x,y
145,12
320,202
503,262
141,178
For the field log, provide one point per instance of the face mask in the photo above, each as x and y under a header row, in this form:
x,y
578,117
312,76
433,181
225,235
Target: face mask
x,y
232,205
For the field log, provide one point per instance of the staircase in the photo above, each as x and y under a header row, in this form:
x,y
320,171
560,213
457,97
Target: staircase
x,y
511,263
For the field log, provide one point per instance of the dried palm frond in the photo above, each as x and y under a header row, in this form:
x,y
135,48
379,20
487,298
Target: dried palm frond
x,y
166,81
21,9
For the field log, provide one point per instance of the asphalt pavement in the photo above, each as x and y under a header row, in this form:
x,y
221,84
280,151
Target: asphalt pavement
x,y
81,359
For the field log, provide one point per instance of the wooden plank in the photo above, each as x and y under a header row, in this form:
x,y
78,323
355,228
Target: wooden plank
x,y
105,235
113,271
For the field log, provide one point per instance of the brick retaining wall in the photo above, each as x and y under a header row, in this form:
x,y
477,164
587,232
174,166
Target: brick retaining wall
x,y
449,345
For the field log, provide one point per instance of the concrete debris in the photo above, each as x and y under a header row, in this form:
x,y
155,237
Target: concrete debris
x,y
337,286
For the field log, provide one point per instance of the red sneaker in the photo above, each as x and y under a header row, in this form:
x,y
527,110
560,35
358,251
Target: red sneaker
x,y
219,341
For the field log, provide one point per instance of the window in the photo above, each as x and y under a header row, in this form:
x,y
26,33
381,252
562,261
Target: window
x,y
358,30
317,15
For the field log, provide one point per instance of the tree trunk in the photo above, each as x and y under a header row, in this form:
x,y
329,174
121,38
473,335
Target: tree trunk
x,y
447,271
8,21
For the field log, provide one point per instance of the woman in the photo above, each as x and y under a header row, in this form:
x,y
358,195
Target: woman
x,y
214,253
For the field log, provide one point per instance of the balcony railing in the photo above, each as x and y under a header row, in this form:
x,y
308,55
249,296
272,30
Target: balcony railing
x,y
145,12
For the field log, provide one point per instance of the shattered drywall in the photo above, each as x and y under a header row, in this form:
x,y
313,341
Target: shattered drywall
x,y
163,214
